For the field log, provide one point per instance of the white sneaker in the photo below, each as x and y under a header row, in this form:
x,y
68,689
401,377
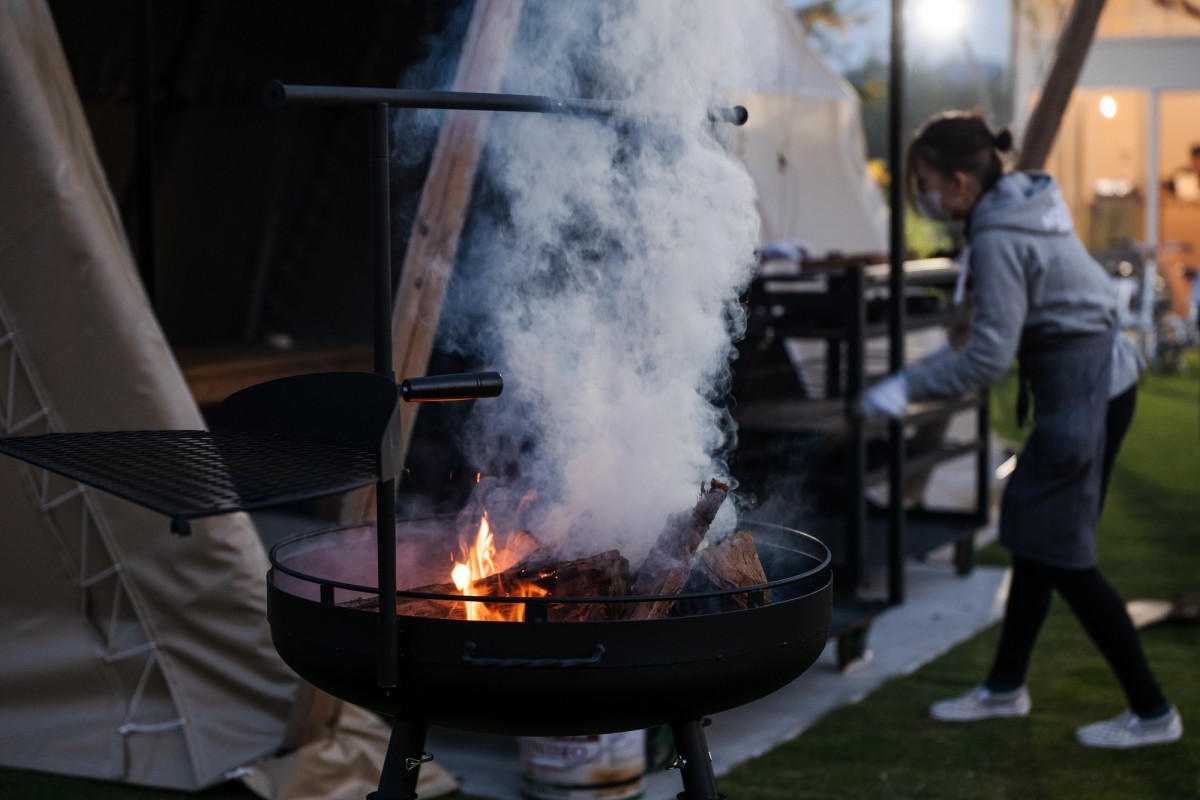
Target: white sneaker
x,y
983,703
1129,730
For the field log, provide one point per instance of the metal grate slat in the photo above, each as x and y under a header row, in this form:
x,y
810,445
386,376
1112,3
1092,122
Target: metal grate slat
x,y
188,474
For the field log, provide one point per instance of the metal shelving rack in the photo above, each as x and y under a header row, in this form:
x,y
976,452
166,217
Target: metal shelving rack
x,y
774,423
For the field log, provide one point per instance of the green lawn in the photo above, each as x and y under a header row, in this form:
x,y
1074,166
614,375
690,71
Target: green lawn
x,y
886,747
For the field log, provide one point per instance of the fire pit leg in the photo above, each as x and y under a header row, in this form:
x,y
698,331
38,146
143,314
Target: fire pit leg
x,y
402,764
694,761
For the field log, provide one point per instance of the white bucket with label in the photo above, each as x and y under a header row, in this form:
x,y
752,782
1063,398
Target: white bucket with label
x,y
604,766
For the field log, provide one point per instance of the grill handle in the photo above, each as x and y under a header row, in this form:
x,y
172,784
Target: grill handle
x,y
473,660
461,386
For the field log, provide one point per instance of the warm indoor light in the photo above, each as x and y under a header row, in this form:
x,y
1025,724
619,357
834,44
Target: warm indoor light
x,y
1108,106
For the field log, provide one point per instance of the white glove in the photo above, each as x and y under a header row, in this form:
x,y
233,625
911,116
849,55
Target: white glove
x,y
889,398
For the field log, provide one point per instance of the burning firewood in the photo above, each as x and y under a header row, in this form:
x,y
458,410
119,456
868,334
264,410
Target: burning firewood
x,y
518,546
601,575
665,568
730,564
676,566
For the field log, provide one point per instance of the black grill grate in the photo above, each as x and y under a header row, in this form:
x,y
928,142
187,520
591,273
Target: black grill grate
x,y
188,474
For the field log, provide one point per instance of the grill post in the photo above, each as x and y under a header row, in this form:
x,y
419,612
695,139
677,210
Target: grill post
x,y
695,762
385,491
402,764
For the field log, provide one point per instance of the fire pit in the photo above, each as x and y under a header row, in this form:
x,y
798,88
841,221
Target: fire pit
x,y
544,677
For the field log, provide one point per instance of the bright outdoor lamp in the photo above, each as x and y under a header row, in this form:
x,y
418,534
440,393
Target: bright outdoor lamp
x,y
941,18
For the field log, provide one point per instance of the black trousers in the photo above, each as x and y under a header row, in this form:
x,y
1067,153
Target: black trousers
x,y
1101,612
1091,598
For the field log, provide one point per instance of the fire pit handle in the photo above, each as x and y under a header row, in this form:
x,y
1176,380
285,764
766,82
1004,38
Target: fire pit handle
x,y
469,657
440,388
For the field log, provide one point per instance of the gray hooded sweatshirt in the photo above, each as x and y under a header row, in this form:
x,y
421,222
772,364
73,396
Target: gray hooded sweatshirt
x,y
1034,284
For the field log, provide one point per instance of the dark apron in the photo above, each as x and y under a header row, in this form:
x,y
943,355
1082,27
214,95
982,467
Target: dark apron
x,y
1051,505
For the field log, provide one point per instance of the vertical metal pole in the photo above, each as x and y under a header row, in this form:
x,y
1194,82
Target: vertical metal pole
x,y
402,764
896,250
381,238
854,288
983,455
696,765
1154,100
385,491
1153,217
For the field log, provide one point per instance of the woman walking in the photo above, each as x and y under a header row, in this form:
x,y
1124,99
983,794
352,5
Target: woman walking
x,y
1041,298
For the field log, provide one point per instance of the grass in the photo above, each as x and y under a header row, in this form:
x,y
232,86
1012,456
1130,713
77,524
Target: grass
x,y
886,748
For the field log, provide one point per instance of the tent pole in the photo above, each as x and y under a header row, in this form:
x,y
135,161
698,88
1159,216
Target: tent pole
x,y
1073,46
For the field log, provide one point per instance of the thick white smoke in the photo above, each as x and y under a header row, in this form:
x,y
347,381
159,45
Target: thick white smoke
x,y
603,266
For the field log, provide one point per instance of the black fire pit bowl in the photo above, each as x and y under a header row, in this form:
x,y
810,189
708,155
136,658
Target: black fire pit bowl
x,y
548,678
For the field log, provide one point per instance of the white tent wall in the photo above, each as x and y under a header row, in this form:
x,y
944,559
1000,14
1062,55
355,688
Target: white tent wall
x,y
130,653
804,147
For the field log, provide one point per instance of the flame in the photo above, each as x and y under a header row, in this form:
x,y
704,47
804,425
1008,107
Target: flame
x,y
478,562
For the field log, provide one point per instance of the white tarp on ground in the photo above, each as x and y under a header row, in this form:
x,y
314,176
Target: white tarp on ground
x,y
804,147
128,654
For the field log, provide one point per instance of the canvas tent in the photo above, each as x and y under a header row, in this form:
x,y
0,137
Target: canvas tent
x,y
129,654
803,146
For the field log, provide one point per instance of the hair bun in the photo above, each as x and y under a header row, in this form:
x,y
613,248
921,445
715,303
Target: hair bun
x,y
1003,141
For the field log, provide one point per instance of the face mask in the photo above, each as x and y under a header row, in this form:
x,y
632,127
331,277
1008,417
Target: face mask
x,y
929,204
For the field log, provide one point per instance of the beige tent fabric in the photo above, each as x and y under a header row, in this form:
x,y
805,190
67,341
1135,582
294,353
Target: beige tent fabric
x,y
129,654
346,762
803,146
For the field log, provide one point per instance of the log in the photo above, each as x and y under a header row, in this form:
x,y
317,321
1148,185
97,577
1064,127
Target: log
x,y
601,575
666,566
732,563
517,548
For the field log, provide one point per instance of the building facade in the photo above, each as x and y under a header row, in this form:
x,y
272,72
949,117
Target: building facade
x,y
1123,151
